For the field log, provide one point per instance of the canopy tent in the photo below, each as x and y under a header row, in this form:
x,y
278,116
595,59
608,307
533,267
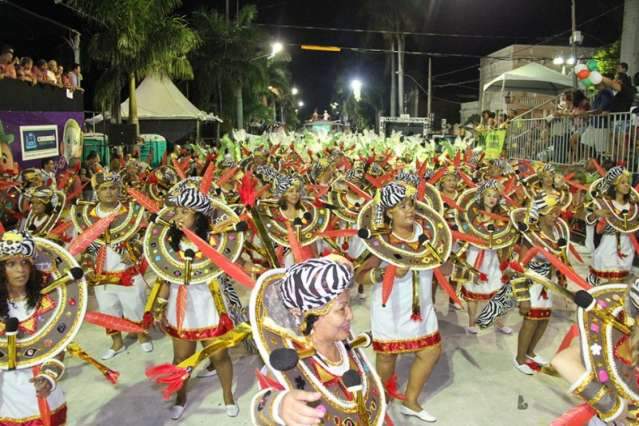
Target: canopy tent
x,y
163,109
533,78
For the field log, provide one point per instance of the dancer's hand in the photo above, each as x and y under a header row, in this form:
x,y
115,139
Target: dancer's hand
x,y
295,411
42,387
524,308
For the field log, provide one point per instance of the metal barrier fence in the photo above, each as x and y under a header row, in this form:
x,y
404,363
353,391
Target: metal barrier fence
x,y
573,140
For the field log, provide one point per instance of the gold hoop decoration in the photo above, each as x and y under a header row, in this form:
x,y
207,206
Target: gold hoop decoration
x,y
166,177
169,265
59,316
433,252
315,221
532,189
125,225
503,235
533,234
433,198
53,219
348,203
275,328
611,363
627,224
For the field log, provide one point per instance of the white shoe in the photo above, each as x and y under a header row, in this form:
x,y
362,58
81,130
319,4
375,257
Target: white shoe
x,y
147,346
206,373
523,368
422,415
472,330
232,410
110,353
177,411
505,330
538,359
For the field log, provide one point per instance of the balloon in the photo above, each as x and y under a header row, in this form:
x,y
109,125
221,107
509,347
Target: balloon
x,y
583,74
580,67
593,65
595,77
586,83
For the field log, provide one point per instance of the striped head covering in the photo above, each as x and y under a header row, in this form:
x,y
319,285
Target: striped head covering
x,y
101,178
44,194
284,182
355,175
319,167
542,205
633,294
489,184
409,178
611,177
15,243
546,168
266,173
191,198
310,285
394,193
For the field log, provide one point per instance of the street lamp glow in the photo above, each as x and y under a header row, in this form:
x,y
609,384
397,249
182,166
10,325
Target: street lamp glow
x,y
300,104
356,86
570,61
559,60
276,48
294,91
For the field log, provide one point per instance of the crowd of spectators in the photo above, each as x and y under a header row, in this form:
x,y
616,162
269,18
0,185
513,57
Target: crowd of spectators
x,y
40,72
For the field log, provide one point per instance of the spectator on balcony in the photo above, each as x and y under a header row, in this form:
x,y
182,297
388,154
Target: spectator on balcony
x,y
624,92
7,68
602,102
27,70
52,72
75,76
42,72
59,74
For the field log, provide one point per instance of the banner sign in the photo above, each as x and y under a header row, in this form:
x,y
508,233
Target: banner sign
x,y
494,144
39,141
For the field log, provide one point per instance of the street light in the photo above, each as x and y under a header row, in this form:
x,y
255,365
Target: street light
x,y
276,47
294,91
571,60
559,60
300,104
356,87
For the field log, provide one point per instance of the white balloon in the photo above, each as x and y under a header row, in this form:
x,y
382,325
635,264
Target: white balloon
x,y
580,67
595,77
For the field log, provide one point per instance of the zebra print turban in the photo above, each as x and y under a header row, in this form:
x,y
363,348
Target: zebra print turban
x,y
542,205
310,285
266,173
611,177
547,168
488,185
394,193
633,294
283,183
45,194
191,198
409,178
15,243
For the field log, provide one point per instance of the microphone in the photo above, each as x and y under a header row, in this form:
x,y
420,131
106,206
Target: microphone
x,y
158,221
283,359
240,226
71,275
423,240
307,216
297,222
353,383
11,331
584,300
367,234
189,255
364,340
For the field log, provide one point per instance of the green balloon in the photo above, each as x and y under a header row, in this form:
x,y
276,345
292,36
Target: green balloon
x,y
586,82
592,65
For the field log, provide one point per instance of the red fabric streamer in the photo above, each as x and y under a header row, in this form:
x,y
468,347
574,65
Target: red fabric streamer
x,y
266,382
421,189
575,253
358,191
460,236
451,203
110,322
387,284
443,282
578,415
600,170
233,270
180,307
392,389
296,248
43,404
207,178
90,234
633,240
149,204
467,180
558,264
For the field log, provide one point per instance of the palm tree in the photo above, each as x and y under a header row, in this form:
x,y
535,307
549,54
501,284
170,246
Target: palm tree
x,y
137,38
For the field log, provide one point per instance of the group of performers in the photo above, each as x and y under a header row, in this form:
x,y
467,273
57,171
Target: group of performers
x,y
304,229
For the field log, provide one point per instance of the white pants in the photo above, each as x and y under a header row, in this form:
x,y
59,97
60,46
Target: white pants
x,y
122,301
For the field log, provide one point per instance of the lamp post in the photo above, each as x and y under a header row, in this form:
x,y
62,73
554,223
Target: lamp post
x,y
356,87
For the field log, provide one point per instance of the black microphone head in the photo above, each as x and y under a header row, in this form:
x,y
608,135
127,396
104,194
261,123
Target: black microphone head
x,y
624,211
422,239
297,222
522,227
357,205
583,299
76,272
189,253
241,226
561,242
308,216
283,359
490,227
218,191
454,227
153,217
364,233
11,325
351,379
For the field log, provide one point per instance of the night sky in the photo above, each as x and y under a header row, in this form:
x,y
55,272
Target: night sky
x,y
502,22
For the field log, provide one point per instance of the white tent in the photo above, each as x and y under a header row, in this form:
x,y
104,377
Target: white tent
x,y
159,99
533,78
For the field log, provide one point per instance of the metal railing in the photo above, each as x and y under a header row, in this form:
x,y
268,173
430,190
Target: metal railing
x,y
609,137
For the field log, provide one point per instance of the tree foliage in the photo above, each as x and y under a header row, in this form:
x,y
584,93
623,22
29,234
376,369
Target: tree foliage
x,y
608,58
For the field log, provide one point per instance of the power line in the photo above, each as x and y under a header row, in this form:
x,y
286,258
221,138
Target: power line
x,y
389,32
44,18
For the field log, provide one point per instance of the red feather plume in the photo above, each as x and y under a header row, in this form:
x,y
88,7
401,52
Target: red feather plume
x,y
90,234
450,202
170,375
266,382
392,389
437,175
178,169
143,200
558,264
110,322
246,190
233,270
207,178
460,236
296,248
61,228
226,176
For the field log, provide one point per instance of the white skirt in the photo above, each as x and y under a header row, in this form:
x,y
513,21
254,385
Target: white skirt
x,y
483,290
609,264
18,401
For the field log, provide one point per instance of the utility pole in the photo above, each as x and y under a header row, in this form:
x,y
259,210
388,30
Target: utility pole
x,y
228,18
573,39
430,87
393,89
630,36
400,73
